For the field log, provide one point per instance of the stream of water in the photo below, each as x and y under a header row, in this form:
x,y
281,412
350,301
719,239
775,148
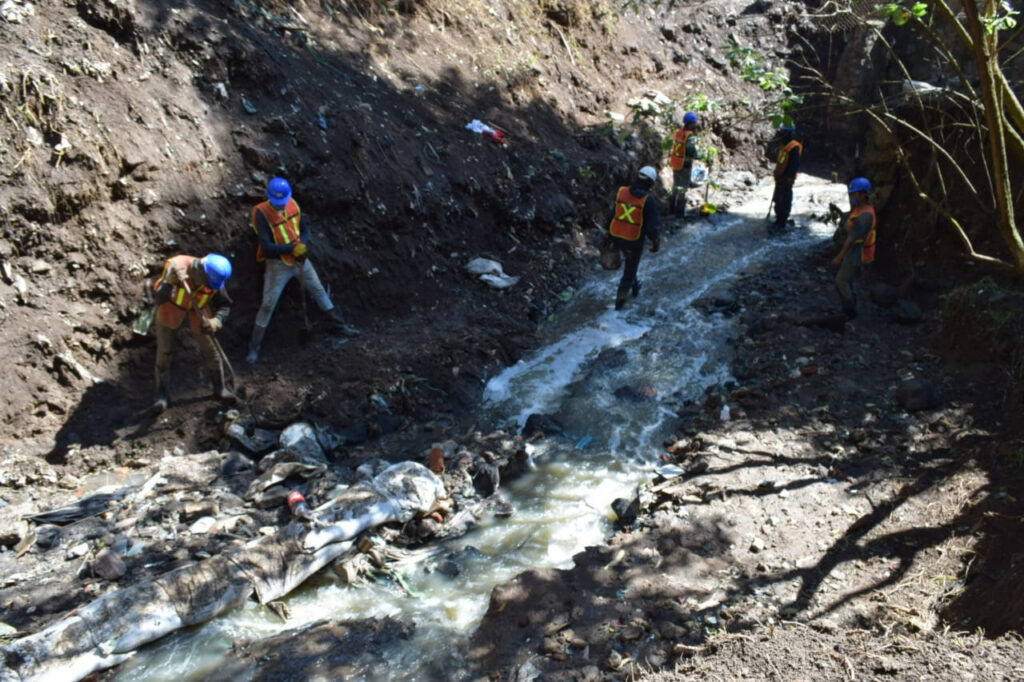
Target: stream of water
x,y
614,380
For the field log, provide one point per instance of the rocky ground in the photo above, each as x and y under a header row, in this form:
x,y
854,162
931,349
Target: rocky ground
x,y
840,525
825,516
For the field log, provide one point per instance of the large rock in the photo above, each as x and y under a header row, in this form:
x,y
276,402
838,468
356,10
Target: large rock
x,y
907,312
918,394
884,295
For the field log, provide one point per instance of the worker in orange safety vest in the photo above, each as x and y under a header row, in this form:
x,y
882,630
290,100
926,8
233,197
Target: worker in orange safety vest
x,y
787,163
682,154
204,278
859,247
634,219
283,243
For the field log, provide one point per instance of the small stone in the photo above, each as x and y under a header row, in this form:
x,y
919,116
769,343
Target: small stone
x,y
202,525
79,550
757,545
108,564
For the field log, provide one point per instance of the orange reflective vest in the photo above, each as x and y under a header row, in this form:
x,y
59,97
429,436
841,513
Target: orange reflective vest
x,y
867,253
628,222
783,158
285,227
172,313
677,156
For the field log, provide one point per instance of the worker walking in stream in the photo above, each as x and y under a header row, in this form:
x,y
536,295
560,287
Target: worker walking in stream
x,y
284,240
787,164
186,288
635,218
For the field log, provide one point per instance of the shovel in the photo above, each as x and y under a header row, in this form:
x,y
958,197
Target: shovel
x,y
307,331
216,344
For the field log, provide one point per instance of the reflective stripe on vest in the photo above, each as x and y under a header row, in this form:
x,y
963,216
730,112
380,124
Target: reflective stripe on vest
x,y
628,222
285,228
677,157
783,157
867,252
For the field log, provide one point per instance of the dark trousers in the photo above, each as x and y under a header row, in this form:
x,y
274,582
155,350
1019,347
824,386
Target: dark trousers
x,y
783,201
631,263
848,271
680,183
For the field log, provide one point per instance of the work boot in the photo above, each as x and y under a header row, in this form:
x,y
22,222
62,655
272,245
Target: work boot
x,y
255,343
340,325
163,393
635,289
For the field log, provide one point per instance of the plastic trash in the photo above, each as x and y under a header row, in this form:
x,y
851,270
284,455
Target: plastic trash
x,y
248,106
298,506
724,414
478,126
583,442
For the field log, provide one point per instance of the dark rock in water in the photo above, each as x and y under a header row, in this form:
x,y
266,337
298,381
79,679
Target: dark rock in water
x,y
633,395
884,295
726,305
626,510
325,649
918,394
907,312
542,423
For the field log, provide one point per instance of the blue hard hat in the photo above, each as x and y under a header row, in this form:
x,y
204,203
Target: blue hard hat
x,y
859,185
689,117
279,192
218,270
788,127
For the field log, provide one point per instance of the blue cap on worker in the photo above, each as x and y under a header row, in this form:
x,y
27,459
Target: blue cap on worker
x,y
217,269
859,185
788,127
279,192
689,117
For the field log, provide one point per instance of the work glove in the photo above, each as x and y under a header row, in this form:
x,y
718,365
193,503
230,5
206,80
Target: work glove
x,y
211,325
178,274
655,245
299,251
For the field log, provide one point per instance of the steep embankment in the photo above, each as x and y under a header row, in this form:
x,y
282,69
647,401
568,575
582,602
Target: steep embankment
x,y
142,129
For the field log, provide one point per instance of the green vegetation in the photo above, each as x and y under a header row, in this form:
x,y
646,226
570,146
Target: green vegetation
x,y
754,68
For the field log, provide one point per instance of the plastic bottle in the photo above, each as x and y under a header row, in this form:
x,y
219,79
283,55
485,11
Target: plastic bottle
x,y
298,506
724,415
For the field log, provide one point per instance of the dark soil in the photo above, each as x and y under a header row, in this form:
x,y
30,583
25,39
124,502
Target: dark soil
x,y
129,138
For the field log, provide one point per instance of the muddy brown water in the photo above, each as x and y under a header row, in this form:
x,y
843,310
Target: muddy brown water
x,y
615,380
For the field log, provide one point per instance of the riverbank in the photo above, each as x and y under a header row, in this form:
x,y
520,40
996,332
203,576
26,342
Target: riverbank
x,y
838,525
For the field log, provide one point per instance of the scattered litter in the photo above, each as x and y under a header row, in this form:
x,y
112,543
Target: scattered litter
x,y
248,106
491,273
724,414
221,90
477,126
321,121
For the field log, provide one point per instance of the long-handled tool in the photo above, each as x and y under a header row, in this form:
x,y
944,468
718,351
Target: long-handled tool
x,y
307,331
213,339
707,208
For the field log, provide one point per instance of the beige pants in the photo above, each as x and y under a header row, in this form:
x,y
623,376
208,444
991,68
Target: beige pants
x,y
278,274
165,348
